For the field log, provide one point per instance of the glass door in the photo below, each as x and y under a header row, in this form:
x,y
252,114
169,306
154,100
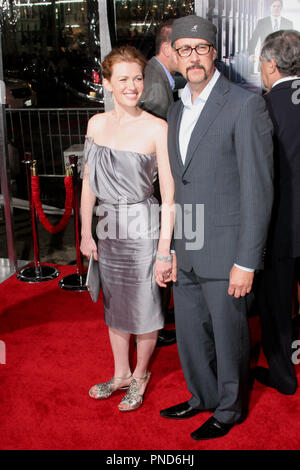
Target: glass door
x,y
136,20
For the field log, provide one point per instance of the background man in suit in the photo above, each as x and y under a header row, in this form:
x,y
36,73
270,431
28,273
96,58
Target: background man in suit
x,y
280,69
267,25
220,149
157,97
159,80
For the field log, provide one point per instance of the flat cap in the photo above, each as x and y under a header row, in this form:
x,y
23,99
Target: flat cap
x,y
193,26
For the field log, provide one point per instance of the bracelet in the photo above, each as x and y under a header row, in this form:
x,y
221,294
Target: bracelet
x,y
164,259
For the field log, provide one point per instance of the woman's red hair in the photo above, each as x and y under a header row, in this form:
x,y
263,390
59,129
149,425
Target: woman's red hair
x,y
122,54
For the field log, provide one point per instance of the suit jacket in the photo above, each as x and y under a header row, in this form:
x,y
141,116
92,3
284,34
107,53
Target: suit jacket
x,y
229,171
157,95
263,29
284,108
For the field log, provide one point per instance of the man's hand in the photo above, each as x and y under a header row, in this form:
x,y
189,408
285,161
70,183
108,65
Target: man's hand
x,y
240,282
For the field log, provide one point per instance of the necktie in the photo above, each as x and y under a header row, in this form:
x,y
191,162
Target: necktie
x,y
276,25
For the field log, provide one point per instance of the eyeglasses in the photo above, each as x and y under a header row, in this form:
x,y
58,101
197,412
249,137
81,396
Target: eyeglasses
x,y
201,49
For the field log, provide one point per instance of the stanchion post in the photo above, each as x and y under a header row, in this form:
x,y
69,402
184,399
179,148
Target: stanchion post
x,y
37,272
29,165
75,281
74,167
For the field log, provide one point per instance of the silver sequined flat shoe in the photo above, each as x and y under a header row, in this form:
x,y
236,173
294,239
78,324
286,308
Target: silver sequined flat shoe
x,y
133,398
106,389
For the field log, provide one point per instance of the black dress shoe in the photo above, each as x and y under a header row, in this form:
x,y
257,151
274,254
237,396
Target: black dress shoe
x,y
181,411
211,429
263,376
166,338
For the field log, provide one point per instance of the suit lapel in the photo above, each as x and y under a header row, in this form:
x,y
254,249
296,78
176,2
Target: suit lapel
x,y
209,113
173,131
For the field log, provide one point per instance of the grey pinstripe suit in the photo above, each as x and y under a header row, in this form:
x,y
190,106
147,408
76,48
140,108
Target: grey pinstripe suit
x,y
229,170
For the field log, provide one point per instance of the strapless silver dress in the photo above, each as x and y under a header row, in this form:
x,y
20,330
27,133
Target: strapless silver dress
x,y
128,232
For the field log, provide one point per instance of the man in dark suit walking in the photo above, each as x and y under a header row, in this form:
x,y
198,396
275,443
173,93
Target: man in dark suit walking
x,y
280,69
267,25
221,155
157,97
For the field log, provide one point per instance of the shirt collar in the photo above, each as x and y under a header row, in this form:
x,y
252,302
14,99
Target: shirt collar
x,y
285,79
169,75
186,95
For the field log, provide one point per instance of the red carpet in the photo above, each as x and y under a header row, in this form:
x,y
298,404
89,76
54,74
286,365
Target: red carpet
x,y
57,347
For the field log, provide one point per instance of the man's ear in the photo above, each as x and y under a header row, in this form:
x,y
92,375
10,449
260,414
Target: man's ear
x,y
272,66
166,48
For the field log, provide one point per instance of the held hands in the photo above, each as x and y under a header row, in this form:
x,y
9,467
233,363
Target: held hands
x,y
240,282
165,271
88,246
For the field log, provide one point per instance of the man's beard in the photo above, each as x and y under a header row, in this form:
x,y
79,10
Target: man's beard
x,y
199,67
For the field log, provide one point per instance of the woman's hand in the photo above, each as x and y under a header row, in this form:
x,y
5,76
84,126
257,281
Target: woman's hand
x,y
166,271
163,272
88,246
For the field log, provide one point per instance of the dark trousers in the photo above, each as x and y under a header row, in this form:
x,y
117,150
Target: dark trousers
x,y
274,293
213,343
165,293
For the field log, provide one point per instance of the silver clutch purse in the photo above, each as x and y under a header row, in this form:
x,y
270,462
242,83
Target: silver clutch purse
x,y
92,282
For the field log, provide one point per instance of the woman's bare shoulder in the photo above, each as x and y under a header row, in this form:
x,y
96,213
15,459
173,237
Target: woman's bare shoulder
x,y
156,123
96,123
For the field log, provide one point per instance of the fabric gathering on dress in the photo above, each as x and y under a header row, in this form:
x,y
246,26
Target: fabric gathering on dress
x,y
128,232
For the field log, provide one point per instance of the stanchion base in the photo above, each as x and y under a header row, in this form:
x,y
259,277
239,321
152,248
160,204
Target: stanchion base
x,y
74,282
32,275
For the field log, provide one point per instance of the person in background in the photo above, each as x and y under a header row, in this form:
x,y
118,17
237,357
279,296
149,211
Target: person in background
x,y
280,70
159,82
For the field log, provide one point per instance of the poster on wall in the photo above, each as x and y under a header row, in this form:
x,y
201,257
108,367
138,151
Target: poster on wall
x,y
278,15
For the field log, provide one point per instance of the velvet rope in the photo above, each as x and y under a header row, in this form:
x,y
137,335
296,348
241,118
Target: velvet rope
x,y
35,191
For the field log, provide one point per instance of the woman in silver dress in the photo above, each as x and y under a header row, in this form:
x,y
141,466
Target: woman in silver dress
x,y
124,150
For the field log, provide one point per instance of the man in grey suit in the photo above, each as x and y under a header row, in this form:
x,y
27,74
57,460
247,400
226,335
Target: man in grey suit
x,y
220,149
159,82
